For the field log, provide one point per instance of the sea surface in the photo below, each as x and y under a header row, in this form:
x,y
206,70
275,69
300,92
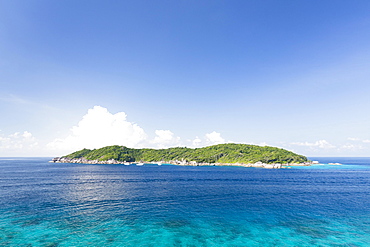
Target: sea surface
x,y
46,204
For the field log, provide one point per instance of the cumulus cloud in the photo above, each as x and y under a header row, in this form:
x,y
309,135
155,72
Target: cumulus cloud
x,y
165,138
23,141
99,128
214,138
320,144
196,142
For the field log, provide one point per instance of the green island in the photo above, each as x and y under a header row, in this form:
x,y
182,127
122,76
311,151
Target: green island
x,y
223,154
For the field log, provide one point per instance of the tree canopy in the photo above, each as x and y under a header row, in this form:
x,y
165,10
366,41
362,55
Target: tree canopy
x,y
222,153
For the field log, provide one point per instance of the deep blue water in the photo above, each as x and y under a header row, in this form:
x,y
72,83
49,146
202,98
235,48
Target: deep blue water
x,y
45,204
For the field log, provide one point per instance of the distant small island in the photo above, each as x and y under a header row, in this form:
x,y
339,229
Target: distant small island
x,y
229,154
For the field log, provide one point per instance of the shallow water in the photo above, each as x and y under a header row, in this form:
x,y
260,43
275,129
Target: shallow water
x,y
45,204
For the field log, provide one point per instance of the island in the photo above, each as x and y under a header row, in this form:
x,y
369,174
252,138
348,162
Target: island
x,y
230,154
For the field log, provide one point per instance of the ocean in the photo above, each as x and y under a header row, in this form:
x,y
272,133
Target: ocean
x,y
47,204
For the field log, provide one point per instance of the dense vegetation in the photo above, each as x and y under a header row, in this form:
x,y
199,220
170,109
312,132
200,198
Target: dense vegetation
x,y
222,153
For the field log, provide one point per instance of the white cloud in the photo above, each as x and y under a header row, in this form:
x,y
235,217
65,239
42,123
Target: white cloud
x,y
18,141
351,147
165,138
356,144
196,142
320,144
99,128
214,138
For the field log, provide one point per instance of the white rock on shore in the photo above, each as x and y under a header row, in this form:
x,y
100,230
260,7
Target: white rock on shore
x,y
177,162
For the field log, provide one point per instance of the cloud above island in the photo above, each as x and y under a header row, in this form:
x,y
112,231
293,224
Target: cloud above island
x,y
209,139
165,138
214,138
99,128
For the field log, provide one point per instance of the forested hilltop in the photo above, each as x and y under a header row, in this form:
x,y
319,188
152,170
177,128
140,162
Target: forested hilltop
x,y
222,153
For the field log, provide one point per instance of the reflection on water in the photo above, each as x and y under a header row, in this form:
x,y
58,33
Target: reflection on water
x,y
91,183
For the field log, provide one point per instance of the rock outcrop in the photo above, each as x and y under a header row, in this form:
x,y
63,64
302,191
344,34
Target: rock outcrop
x,y
176,162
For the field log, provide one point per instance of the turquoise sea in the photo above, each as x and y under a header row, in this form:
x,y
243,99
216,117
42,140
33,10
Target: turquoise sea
x,y
46,204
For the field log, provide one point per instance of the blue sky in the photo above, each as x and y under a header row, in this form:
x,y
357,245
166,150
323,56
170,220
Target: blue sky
x,y
291,74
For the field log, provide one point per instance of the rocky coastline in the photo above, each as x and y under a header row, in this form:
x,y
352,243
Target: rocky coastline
x,y
178,162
